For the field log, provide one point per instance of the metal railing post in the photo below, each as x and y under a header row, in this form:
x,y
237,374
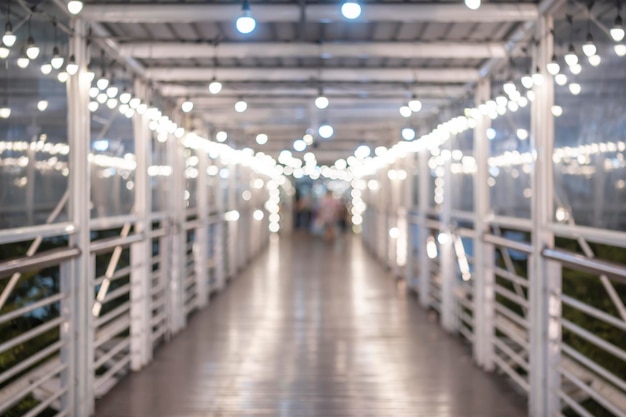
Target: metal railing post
x,y
201,247
80,387
545,275
423,177
141,252
484,280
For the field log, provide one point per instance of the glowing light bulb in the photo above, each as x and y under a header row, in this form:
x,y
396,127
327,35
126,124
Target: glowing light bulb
x,y
72,66
589,48
527,81
32,50
595,60
620,50
93,106
125,97
5,112
112,91
74,7
23,62
350,9
408,133
617,31
405,111
215,87
245,23
42,105
102,98
102,82
4,51
241,106
63,76
560,79
571,58
576,69
575,88
299,145
134,102
187,106
111,103
8,39
221,136
415,105
57,60
472,4
509,88
321,102
537,77
46,69
325,131
262,139
553,66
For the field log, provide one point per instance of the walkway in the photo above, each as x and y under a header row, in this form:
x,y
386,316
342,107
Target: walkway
x,y
312,331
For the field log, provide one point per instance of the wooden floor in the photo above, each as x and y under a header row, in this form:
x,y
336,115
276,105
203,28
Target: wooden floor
x,y
312,330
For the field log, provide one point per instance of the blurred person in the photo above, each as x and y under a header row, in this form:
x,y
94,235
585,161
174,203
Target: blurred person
x,y
327,215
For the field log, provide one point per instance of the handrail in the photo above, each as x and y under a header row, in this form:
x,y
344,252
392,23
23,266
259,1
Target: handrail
x,y
106,245
38,261
508,243
594,266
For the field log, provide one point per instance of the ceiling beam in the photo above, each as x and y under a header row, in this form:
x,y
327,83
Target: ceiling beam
x,y
306,90
406,50
408,75
421,12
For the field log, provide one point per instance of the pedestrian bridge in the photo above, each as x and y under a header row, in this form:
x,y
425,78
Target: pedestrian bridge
x,y
160,162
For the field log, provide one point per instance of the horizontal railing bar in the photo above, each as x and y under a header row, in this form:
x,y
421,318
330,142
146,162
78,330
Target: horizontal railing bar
x,y
601,315
466,333
32,333
510,314
592,234
433,224
574,405
158,216
508,243
107,245
120,273
158,333
503,273
43,405
463,215
592,392
107,356
511,373
574,354
123,290
508,222
107,333
26,363
112,314
580,262
590,337
511,295
465,232
31,387
21,234
157,233
466,318
159,318
193,224
110,374
30,307
114,222
511,335
511,353
38,261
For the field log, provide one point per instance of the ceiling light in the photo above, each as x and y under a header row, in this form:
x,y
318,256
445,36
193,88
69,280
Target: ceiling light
x,y
557,111
509,88
112,91
57,60
241,106
522,134
74,6
262,139
23,62
405,111
571,58
187,106
245,23
575,88
472,4
576,69
93,106
299,145
221,136
5,112
560,79
111,103
8,39
101,98
595,60
62,76
362,151
501,101
134,102
72,66
125,97
32,50
617,31
620,49
325,131
4,51
553,66
42,105
103,82
589,48
350,9
408,133
215,87
46,69
308,139
321,102
527,81
414,104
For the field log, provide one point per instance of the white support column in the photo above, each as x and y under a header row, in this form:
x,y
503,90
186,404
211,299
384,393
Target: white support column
x,y
545,276
176,214
449,314
220,230
233,252
81,362
483,285
201,248
409,233
423,198
141,252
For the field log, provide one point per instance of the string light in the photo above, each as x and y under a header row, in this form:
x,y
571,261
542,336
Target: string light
x,y
321,102
553,66
405,111
617,31
245,23
571,58
414,104
42,105
46,69
241,106
351,9
472,4
262,139
74,7
408,134
595,60
589,48
215,87
9,38
187,106
325,131
125,97
72,66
